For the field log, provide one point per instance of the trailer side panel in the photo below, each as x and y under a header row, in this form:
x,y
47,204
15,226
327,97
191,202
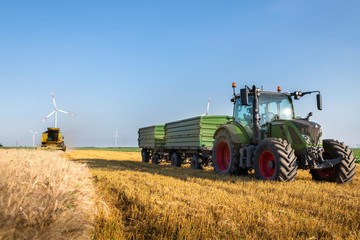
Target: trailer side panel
x,y
152,137
194,132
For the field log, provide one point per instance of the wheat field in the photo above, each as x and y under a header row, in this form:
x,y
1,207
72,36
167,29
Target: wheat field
x,y
145,201
44,196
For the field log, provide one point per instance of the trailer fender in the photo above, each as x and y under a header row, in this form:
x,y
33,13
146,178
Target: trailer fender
x,y
238,135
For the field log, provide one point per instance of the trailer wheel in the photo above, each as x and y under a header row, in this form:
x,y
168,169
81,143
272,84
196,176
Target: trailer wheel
x,y
196,162
340,173
225,154
175,159
155,158
145,156
275,160
206,161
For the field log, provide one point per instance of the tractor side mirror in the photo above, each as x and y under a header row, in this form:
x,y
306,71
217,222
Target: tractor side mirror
x,y
319,101
244,96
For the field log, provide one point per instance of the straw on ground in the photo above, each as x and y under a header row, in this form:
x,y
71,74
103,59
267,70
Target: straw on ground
x,y
149,201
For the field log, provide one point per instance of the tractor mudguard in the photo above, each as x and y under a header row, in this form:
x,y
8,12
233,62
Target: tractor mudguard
x,y
238,135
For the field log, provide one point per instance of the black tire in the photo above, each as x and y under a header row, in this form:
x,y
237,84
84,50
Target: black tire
x,y
196,162
340,173
145,156
175,159
225,154
275,160
155,158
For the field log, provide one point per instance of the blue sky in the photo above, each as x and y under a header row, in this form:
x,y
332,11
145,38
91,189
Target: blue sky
x,y
128,64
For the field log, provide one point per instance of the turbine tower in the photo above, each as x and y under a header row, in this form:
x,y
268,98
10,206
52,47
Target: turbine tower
x,y
207,108
33,133
55,111
116,136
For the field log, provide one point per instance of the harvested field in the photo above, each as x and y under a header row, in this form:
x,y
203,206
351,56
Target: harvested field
x,y
148,201
44,196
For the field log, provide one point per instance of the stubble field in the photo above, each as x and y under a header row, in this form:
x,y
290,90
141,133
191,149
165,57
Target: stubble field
x,y
145,201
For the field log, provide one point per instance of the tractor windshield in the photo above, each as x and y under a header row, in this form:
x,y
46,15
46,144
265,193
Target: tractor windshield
x,y
271,106
274,106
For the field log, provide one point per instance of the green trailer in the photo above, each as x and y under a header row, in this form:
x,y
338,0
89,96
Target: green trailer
x,y
179,141
152,137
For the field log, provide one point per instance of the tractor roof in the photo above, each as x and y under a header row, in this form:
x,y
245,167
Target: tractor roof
x,y
268,92
53,129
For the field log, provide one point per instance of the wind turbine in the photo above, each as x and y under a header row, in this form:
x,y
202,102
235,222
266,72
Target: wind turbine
x,y
33,133
207,109
116,136
55,111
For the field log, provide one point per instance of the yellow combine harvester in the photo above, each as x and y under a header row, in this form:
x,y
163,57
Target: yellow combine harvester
x,y
52,139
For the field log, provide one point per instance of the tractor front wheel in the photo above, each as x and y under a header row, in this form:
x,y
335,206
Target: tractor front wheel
x,y
275,160
340,173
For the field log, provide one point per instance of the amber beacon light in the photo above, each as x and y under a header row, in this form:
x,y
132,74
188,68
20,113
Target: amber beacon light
x,y
279,89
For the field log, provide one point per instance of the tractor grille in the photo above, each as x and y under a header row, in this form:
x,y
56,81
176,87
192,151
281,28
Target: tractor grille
x,y
309,128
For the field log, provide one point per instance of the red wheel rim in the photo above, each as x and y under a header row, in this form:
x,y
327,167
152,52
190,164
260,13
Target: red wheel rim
x,y
326,173
223,156
267,164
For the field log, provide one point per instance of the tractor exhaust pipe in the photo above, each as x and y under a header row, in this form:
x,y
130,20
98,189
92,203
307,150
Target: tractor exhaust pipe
x,y
256,116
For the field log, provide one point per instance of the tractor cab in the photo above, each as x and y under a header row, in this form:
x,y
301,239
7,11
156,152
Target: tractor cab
x,y
272,106
51,135
274,116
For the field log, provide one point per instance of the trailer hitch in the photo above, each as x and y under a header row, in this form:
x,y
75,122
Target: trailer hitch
x,y
328,163
316,160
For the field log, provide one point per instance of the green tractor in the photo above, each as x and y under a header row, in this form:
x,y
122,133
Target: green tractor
x,y
265,135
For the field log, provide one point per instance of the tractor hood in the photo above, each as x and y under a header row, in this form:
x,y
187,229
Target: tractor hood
x,y
311,129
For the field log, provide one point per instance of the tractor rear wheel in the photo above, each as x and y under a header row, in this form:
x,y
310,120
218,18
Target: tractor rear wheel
x,y
340,173
175,159
225,154
155,158
145,156
196,162
275,160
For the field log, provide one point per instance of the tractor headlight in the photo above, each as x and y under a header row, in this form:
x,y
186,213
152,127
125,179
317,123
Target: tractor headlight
x,y
307,139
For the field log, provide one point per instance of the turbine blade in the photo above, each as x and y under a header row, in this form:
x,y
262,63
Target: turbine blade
x,y
66,112
31,131
48,116
53,98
